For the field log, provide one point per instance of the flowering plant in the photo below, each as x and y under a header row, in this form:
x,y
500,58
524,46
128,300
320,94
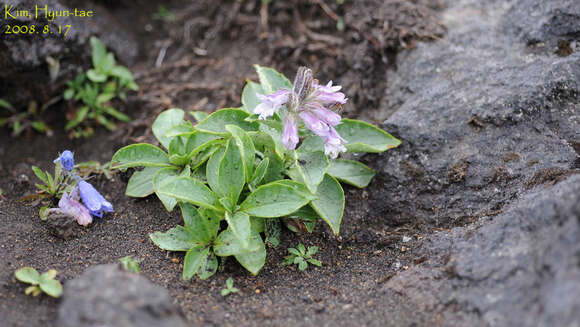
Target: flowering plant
x,y
78,198
269,163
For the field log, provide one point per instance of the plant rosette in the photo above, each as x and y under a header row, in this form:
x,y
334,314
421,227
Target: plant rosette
x,y
272,162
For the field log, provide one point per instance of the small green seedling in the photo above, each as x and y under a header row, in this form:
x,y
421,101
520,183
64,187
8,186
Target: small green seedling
x,y
129,264
21,120
95,89
40,283
301,257
88,168
230,289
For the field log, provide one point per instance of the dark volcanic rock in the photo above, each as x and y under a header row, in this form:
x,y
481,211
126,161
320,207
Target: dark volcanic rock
x,y
491,142
479,117
107,296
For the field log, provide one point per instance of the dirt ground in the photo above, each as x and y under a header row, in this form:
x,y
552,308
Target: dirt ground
x,y
209,52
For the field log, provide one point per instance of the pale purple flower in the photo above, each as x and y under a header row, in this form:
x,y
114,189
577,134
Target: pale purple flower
x,y
312,103
69,204
271,103
93,200
66,159
290,134
333,143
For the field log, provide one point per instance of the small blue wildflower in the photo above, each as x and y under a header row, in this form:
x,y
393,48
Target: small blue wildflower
x,y
66,159
92,199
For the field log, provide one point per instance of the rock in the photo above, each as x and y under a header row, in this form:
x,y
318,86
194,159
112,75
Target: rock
x,y
479,116
23,57
105,295
63,225
491,145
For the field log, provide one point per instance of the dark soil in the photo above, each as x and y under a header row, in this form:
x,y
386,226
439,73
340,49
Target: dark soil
x,y
204,68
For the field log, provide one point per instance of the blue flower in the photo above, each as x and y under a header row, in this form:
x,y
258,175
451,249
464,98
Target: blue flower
x,y
66,159
93,200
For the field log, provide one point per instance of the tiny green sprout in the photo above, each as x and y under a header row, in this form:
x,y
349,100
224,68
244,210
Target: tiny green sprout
x,y
39,283
129,264
301,257
230,289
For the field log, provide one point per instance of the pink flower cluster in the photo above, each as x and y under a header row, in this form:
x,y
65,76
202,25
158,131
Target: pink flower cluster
x,y
309,102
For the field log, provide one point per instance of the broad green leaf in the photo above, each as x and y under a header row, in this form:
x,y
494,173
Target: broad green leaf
x,y
193,259
274,200
252,259
208,150
96,76
199,115
185,128
197,141
249,98
364,137
40,174
140,184
106,65
311,167
140,154
217,121
299,187
177,151
122,72
231,176
246,147
205,229
260,172
27,275
164,176
51,287
271,80
276,135
177,238
208,267
311,143
351,172
165,122
330,202
50,274
239,224
275,169
212,168
99,52
190,190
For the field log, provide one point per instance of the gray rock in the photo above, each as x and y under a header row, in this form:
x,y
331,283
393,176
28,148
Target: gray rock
x,y
104,295
491,144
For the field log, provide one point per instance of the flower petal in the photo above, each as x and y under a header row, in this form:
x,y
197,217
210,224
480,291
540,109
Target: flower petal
x,y
93,200
66,159
290,133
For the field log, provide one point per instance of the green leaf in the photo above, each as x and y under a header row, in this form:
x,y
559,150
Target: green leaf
x,y
192,191
51,287
80,115
40,174
205,228
177,152
217,121
351,172
116,114
99,52
193,259
122,72
208,267
273,230
198,141
105,122
230,282
315,262
177,238
260,172
231,176
199,115
274,200
140,184
311,143
6,105
212,169
239,224
51,274
27,275
43,212
311,167
330,202
302,265
140,154
275,169
252,259
364,137
246,148
96,76
276,134
271,80
302,249
162,177
185,128
249,98
312,251
165,122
